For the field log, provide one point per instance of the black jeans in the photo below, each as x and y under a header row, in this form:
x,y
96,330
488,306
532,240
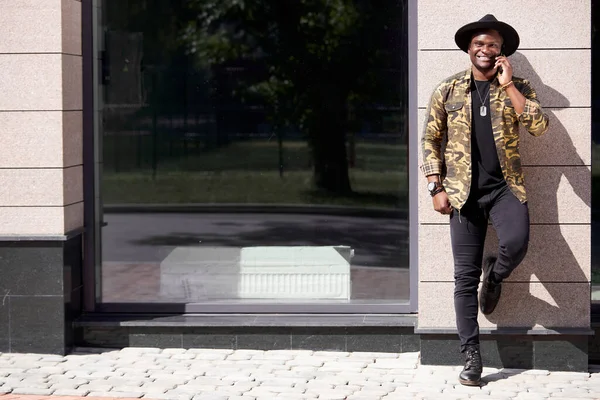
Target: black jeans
x,y
510,219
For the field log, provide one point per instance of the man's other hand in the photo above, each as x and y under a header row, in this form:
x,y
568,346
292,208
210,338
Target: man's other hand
x,y
441,203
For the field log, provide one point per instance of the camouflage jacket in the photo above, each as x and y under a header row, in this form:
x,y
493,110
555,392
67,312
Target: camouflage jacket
x,y
449,122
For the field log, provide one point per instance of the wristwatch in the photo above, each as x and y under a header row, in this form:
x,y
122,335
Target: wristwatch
x,y
434,188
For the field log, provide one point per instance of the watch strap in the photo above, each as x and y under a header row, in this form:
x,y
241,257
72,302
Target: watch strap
x,y
438,188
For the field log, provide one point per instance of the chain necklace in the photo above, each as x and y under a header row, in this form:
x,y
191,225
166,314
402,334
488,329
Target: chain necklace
x,y
482,108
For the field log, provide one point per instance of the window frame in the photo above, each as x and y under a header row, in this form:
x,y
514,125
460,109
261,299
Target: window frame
x,y
93,205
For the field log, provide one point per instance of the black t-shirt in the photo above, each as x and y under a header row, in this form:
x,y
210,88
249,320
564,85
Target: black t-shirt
x,y
487,173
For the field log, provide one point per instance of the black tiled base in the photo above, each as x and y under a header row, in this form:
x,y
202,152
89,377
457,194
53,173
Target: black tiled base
x,y
36,316
43,344
376,339
264,339
39,294
163,338
4,318
37,324
411,343
4,345
594,347
556,353
103,337
319,339
209,338
560,355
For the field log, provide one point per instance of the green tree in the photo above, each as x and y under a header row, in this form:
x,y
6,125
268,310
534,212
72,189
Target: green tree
x,y
318,59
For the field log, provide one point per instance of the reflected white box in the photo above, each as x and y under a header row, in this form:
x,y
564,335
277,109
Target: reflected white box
x,y
295,272
266,272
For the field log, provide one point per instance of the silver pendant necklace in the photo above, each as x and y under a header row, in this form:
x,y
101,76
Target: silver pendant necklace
x,y
482,108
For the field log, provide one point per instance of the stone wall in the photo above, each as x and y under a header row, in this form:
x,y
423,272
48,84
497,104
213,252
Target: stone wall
x,y
552,286
40,117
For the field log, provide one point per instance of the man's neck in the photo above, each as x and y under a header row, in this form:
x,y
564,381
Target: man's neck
x,y
483,75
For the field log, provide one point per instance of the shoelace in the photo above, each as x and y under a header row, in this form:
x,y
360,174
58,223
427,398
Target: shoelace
x,y
472,360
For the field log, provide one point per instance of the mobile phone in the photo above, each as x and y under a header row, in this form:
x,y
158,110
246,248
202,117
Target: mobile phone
x,y
500,68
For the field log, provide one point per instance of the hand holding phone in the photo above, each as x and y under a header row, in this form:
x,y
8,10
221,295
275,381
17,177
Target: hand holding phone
x,y
504,68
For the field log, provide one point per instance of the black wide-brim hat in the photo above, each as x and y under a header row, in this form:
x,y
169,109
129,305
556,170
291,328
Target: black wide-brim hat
x,y
509,34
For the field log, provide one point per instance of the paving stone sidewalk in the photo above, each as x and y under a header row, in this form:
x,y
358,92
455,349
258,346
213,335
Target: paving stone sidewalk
x,y
196,374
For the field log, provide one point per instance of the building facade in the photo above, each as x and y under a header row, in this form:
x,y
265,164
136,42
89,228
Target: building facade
x,y
205,174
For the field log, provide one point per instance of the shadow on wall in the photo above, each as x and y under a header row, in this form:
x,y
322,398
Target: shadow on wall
x,y
550,257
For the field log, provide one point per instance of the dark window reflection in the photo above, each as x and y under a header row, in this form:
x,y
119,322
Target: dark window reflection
x,y
236,124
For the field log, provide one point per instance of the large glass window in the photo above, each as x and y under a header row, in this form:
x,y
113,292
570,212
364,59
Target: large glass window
x,y
254,151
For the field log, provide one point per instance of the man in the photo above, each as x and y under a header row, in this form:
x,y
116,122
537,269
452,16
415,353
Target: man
x,y
478,176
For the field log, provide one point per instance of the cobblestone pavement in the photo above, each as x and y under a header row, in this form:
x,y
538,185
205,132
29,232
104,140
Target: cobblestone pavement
x,y
283,374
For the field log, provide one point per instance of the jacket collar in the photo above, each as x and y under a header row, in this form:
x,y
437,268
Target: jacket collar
x,y
466,78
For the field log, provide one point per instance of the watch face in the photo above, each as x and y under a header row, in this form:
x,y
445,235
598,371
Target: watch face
x,y
431,186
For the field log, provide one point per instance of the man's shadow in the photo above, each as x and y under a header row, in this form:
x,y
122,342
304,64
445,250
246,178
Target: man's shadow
x,y
550,258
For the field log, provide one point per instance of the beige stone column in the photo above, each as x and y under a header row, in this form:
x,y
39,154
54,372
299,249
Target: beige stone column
x,y
40,117
41,179
551,288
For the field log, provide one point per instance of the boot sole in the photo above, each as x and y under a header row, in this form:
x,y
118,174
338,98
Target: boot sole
x,y
469,383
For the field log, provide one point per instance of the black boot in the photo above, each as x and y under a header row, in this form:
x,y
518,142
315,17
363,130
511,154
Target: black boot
x,y
490,290
471,373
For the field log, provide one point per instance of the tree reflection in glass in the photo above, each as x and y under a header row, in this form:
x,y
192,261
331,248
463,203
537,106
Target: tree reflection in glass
x,y
272,87
315,61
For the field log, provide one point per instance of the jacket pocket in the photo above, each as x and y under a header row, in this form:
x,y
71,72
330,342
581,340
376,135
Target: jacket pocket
x,y
454,106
